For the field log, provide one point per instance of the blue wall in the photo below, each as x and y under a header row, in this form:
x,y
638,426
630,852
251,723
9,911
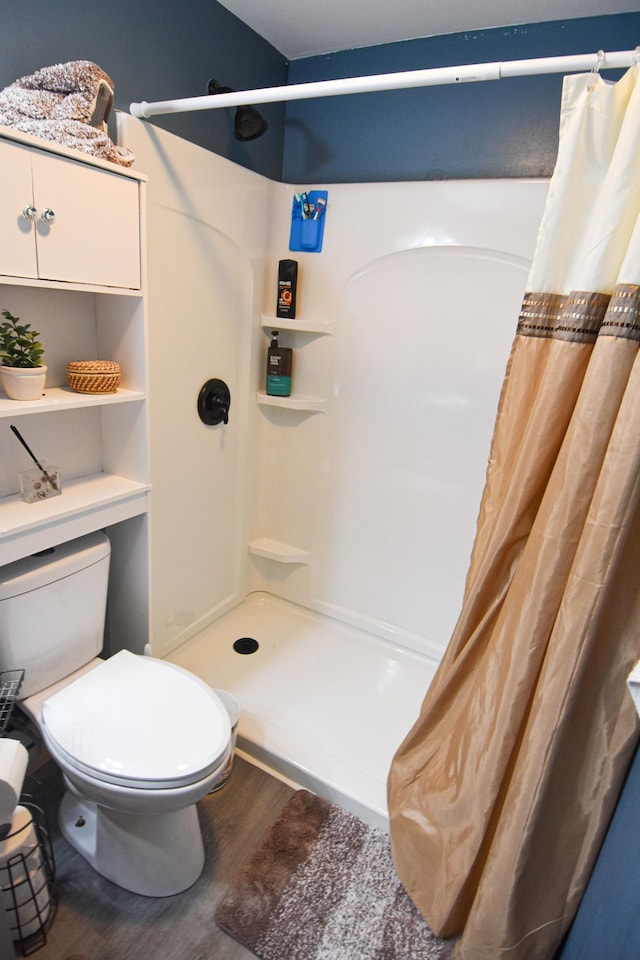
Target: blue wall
x,y
505,128
155,51
607,924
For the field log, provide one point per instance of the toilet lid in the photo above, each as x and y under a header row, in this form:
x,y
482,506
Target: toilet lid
x,y
140,722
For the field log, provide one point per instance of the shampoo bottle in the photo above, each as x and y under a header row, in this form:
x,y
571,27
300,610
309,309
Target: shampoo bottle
x,y
279,363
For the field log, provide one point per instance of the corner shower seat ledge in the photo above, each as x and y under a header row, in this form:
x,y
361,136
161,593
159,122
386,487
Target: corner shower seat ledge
x,y
278,551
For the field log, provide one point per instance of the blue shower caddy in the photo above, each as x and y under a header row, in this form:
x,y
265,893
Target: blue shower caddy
x,y
307,235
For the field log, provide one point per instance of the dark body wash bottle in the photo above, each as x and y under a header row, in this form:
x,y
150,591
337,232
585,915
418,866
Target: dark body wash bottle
x,y
279,365
287,289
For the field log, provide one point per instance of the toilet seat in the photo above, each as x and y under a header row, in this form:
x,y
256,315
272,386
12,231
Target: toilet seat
x,y
138,722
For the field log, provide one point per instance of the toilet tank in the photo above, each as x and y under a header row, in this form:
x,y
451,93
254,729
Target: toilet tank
x,y
52,611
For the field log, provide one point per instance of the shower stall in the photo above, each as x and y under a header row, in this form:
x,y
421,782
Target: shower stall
x,y
334,527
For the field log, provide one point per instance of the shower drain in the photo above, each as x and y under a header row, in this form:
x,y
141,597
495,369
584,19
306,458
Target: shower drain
x,y
246,645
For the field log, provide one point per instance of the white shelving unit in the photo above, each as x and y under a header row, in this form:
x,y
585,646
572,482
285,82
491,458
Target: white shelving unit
x,y
79,281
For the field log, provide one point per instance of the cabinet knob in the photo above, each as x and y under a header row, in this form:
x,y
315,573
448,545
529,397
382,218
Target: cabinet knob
x,y
29,213
48,216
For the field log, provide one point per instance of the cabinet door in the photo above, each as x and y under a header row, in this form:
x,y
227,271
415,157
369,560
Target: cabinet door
x,y
17,234
95,237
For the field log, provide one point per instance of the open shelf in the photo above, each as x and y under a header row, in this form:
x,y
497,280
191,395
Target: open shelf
x,y
85,504
64,398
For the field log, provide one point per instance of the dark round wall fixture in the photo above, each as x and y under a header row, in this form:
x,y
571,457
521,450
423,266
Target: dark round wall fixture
x,y
246,645
214,401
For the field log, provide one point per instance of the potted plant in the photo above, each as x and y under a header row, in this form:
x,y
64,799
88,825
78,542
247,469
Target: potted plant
x,y
22,371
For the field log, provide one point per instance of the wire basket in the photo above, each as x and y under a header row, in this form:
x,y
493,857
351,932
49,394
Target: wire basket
x,y
10,683
93,376
27,867
27,876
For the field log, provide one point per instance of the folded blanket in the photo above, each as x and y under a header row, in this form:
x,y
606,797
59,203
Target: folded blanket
x,y
68,103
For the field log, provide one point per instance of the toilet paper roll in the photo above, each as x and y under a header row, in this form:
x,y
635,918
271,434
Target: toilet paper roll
x,y
29,917
20,847
13,766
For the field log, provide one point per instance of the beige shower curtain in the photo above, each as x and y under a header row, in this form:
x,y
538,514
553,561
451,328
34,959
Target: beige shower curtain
x,y
500,794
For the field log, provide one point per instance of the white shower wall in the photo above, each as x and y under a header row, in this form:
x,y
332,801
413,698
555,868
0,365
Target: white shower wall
x,y
207,223
419,286
412,303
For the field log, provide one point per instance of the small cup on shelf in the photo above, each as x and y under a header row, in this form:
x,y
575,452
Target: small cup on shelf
x,y
39,484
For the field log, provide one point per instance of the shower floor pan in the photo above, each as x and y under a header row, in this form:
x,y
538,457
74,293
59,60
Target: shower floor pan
x,y
324,705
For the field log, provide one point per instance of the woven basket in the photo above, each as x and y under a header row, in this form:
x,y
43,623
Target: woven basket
x,y
93,376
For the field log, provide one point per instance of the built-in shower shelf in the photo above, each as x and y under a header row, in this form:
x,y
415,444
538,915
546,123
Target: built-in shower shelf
x,y
300,326
299,401
278,551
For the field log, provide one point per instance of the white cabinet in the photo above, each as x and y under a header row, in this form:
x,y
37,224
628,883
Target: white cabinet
x,y
17,245
67,221
80,282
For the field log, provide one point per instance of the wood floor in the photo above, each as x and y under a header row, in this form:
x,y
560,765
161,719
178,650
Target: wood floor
x,y
98,920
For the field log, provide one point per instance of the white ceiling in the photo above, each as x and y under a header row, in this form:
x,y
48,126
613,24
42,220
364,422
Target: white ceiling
x,y
303,28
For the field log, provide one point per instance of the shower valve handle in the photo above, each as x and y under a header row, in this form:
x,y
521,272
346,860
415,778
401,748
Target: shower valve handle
x,y
214,401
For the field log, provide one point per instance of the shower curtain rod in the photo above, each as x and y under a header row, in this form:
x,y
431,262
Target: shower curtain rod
x,y
466,73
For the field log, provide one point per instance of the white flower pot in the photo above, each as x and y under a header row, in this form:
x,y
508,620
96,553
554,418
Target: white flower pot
x,y
23,383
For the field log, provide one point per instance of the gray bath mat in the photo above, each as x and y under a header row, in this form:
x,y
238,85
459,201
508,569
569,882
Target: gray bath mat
x,y
321,886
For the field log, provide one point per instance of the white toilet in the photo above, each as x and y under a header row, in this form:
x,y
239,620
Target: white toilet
x,y
140,741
